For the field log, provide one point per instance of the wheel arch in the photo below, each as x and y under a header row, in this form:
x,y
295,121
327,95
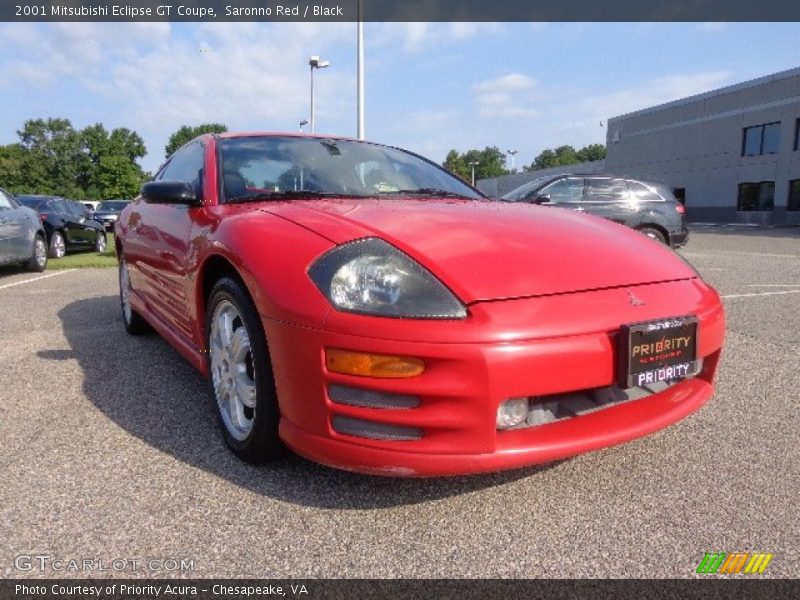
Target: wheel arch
x,y
214,268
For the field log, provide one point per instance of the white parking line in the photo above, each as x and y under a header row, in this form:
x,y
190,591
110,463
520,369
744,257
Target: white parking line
x,y
728,296
778,285
741,254
8,285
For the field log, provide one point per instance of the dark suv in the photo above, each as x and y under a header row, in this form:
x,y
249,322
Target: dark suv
x,y
643,205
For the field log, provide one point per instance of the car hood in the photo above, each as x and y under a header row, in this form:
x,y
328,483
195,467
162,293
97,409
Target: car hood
x,y
486,250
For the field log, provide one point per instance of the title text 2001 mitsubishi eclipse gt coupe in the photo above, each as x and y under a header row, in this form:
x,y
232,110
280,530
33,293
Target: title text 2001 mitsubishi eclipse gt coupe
x,y
370,311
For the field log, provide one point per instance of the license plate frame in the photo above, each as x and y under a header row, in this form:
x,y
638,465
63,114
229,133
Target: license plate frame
x,y
665,348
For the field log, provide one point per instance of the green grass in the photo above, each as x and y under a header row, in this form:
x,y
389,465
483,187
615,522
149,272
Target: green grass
x,y
82,259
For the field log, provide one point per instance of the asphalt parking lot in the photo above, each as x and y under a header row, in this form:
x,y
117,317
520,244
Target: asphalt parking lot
x,y
109,449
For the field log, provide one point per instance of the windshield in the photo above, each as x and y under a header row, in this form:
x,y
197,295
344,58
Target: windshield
x,y
33,201
112,205
287,166
522,191
75,208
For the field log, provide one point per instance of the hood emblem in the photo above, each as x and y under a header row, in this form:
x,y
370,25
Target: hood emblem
x,y
634,300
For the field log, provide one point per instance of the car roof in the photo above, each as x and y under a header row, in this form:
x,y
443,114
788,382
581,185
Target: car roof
x,y
244,134
555,176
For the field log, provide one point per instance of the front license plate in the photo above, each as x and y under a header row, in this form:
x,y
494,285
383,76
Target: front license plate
x,y
657,350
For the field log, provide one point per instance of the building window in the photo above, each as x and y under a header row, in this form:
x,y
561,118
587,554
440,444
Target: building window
x,y
761,139
794,195
756,196
797,135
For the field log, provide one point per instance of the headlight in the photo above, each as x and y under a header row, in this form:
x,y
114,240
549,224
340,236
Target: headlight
x,y
373,277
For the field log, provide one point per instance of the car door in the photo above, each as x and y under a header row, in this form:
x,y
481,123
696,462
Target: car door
x,y
563,193
72,228
21,224
608,197
84,232
5,229
157,244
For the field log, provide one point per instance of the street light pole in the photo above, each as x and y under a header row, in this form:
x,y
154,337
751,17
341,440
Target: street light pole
x,y
315,63
473,164
360,71
513,154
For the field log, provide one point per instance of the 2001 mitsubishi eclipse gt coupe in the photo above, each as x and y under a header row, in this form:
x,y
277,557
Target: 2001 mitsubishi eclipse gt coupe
x,y
372,312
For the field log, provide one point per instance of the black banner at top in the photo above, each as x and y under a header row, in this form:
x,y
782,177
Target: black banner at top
x,y
399,10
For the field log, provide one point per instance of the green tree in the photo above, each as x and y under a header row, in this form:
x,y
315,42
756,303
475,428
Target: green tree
x,y
103,152
566,155
53,157
12,167
592,152
491,163
187,134
116,177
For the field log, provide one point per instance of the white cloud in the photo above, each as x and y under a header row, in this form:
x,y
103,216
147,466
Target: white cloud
x,y
656,91
506,96
419,37
711,26
158,78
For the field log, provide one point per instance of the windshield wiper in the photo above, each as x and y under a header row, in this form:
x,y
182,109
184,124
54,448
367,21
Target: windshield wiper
x,y
287,194
434,192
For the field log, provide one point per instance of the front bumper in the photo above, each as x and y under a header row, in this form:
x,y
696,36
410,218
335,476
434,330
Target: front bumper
x,y
465,381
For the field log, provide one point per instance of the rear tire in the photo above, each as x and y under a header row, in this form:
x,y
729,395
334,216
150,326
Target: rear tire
x,y
133,321
58,247
38,262
242,381
653,234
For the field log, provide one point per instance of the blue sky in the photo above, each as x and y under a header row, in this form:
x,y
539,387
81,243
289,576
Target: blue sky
x,y
430,87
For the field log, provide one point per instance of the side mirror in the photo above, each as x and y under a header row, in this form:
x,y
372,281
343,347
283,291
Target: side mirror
x,y
170,192
543,199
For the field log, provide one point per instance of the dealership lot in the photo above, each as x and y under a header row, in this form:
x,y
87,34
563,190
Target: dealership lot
x,y
109,450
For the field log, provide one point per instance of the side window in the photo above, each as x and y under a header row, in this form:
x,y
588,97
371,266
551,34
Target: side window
x,y
5,201
185,165
564,190
606,190
642,193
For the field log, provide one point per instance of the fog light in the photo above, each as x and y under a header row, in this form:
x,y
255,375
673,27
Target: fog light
x,y
512,412
364,364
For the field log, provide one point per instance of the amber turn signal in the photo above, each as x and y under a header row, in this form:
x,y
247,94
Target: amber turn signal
x,y
364,364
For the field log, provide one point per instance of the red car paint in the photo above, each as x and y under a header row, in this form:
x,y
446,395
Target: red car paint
x,y
546,291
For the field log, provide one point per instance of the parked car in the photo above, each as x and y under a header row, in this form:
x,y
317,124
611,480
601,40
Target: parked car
x,y
375,313
108,211
649,207
22,237
67,225
91,205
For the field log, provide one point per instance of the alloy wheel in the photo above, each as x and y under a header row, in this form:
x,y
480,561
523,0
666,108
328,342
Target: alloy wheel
x,y
232,372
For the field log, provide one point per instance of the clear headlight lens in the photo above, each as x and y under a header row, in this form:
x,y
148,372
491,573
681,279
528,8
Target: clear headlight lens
x,y
371,276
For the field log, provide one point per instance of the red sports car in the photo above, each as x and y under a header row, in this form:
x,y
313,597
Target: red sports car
x,y
370,311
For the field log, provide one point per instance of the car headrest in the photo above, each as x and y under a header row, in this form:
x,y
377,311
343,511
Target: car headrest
x,y
234,185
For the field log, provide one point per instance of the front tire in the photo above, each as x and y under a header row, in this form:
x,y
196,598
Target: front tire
x,y
133,321
38,262
241,374
58,247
